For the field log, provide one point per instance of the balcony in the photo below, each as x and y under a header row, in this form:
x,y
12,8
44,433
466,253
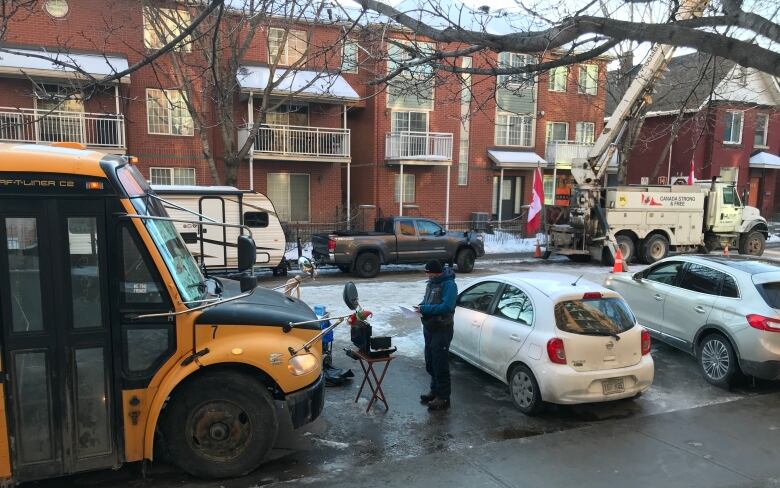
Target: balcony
x,y
106,131
290,142
562,153
420,148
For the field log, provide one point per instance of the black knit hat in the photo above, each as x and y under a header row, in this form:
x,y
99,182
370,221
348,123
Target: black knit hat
x,y
433,266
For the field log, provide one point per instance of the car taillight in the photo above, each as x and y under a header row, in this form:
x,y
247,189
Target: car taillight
x,y
764,323
555,351
331,245
646,342
591,295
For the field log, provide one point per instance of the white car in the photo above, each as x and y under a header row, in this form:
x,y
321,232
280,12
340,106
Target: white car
x,y
553,338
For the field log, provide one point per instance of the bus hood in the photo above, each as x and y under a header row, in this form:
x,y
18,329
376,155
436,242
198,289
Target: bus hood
x,y
263,307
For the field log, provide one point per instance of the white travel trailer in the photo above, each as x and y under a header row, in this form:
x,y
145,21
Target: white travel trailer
x,y
212,244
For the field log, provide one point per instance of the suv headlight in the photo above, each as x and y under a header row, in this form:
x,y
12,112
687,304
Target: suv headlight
x,y
300,365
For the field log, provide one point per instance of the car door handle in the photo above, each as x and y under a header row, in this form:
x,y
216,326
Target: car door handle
x,y
699,309
516,338
476,323
658,297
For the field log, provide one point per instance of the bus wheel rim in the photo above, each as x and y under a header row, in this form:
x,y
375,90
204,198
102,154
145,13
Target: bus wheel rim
x,y
220,430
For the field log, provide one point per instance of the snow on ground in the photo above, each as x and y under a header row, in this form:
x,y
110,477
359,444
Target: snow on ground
x,y
292,253
504,242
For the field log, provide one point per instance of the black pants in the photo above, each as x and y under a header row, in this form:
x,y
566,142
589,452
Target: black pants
x,y
437,364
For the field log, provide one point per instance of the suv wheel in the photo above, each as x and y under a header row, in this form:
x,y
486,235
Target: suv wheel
x,y
717,361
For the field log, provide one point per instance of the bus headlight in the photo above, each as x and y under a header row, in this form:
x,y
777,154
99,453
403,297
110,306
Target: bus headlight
x,y
300,365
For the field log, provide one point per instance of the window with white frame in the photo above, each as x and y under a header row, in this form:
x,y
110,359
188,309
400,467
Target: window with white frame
x,y
585,132
289,192
172,176
548,184
558,77
514,60
762,129
167,113
162,25
465,125
514,130
589,77
290,50
408,188
557,131
732,127
349,56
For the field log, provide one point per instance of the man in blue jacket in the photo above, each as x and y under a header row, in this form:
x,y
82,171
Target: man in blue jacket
x,y
437,310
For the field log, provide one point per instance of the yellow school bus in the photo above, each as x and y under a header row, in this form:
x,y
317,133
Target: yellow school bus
x,y
113,339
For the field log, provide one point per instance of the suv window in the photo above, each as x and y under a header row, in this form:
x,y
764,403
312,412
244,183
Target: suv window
x,y
427,228
598,316
729,288
515,305
770,292
479,297
701,279
665,273
406,227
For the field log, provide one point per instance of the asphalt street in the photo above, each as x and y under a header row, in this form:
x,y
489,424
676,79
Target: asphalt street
x,y
345,440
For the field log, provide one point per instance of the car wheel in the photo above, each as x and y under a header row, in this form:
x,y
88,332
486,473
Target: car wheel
x,y
465,260
655,248
717,361
627,247
525,390
752,244
367,265
220,426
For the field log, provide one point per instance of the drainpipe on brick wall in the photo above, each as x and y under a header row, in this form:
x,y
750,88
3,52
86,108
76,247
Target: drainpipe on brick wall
x,y
251,118
500,195
447,204
349,163
401,196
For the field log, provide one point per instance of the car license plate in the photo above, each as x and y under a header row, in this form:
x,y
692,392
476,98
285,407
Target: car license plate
x,y
612,386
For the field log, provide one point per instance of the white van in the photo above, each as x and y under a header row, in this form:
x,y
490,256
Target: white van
x,y
215,247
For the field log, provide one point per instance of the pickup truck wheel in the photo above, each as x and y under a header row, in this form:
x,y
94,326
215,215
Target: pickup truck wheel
x,y
752,243
655,248
465,260
367,265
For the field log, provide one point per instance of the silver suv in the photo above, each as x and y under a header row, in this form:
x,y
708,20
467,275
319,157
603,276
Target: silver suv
x,y
724,311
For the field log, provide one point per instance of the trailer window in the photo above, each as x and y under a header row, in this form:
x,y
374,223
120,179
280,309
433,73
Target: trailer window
x,y
256,219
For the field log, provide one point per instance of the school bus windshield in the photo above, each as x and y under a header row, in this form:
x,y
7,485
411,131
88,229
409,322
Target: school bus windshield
x,y
174,252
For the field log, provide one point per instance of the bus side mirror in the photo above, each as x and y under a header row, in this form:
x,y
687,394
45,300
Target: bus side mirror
x,y
351,296
247,253
248,283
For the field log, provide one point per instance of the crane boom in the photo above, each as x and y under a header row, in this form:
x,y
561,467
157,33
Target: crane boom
x,y
639,94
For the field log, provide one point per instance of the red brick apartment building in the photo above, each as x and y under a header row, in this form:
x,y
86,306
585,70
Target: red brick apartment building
x,y
726,116
458,145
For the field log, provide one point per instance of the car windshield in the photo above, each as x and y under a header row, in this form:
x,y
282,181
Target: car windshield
x,y
177,257
770,292
598,316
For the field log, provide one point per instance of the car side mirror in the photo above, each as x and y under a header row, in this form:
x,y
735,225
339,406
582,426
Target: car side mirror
x,y
247,253
307,266
637,277
440,232
351,296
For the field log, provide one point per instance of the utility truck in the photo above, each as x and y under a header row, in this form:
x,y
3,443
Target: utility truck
x,y
650,221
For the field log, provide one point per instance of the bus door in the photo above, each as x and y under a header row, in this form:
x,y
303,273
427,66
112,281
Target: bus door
x,y
213,237
56,341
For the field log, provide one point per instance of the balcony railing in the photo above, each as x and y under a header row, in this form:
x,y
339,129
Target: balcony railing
x,y
302,142
41,126
432,146
563,152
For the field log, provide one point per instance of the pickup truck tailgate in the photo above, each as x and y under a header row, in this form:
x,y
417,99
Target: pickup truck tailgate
x,y
319,244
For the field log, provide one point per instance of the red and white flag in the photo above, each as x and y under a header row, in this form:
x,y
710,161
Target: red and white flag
x,y
691,177
537,200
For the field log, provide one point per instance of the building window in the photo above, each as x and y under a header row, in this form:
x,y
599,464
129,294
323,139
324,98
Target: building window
x,y
558,78
408,188
514,130
762,129
585,132
514,60
290,195
589,77
172,176
465,125
162,25
413,88
167,113
349,56
732,128
289,52
409,122
557,131
548,184
289,114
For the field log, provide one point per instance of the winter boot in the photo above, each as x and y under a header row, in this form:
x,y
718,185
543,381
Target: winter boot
x,y
438,404
427,397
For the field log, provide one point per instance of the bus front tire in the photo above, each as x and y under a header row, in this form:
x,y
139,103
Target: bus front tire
x,y
220,425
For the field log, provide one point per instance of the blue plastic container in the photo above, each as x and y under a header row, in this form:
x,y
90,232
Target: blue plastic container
x,y
320,311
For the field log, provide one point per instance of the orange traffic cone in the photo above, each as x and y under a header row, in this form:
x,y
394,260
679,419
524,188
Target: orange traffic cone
x,y
538,251
726,250
618,266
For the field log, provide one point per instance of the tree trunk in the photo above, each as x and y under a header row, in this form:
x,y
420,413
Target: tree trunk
x,y
231,169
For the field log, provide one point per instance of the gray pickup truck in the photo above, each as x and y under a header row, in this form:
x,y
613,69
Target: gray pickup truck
x,y
397,240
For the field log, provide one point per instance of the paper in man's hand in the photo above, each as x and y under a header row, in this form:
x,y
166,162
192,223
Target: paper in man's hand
x,y
408,313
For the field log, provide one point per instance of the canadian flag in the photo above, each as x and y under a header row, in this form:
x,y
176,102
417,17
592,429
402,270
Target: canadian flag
x,y
691,177
535,209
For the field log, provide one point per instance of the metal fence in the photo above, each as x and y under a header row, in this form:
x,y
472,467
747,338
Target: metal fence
x,y
418,145
303,141
91,129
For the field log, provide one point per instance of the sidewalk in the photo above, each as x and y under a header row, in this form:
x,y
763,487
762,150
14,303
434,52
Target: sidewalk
x,y
733,444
